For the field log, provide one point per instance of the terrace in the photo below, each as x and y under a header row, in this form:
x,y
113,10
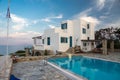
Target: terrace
x,y
34,70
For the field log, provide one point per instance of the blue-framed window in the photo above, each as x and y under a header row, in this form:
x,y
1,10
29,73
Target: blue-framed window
x,y
64,40
88,26
84,44
64,26
84,31
42,41
48,40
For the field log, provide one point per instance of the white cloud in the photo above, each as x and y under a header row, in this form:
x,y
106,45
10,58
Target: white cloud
x,y
51,26
84,13
104,3
28,34
49,19
100,4
91,19
46,20
19,38
85,16
19,23
103,17
35,21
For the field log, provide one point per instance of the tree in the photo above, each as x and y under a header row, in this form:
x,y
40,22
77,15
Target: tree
x,y
108,33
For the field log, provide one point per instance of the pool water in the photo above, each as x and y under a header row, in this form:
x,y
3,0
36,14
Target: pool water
x,y
92,69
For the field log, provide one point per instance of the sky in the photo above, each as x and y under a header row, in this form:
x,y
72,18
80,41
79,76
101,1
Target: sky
x,y
30,18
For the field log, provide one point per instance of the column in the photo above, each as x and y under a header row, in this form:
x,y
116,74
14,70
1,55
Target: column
x,y
104,45
27,51
112,46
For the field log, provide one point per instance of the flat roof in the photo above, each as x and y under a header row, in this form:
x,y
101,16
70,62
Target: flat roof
x,y
91,40
38,37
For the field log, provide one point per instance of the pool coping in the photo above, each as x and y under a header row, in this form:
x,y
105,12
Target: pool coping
x,y
66,72
73,75
101,59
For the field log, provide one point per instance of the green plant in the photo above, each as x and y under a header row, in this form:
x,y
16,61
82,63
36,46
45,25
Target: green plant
x,y
20,51
1,55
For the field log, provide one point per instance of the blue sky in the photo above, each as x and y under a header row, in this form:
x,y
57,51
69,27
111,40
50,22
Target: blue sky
x,y
31,17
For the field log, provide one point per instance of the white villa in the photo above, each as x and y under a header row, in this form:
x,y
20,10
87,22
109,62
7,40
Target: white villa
x,y
71,33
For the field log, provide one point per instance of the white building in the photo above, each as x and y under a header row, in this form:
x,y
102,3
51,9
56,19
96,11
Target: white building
x,y
71,33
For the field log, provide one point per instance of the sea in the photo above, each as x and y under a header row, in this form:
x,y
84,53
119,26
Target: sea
x,y
12,48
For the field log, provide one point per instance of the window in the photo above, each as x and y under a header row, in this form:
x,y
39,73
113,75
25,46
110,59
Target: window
x,y
64,39
88,26
42,41
88,38
84,31
84,44
48,41
64,26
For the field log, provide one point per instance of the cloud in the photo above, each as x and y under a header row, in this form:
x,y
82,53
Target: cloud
x,y
49,19
91,19
85,15
46,20
51,26
19,23
28,34
19,38
100,4
103,17
35,21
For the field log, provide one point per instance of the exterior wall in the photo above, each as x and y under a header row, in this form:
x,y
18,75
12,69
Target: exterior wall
x,y
38,44
88,46
66,33
74,29
77,32
54,40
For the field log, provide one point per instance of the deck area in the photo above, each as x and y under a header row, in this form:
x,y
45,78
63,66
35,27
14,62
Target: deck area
x,y
36,70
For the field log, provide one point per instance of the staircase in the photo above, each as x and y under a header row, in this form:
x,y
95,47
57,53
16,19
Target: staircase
x,y
70,50
75,49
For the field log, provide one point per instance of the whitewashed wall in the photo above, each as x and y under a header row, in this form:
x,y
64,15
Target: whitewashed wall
x,y
74,29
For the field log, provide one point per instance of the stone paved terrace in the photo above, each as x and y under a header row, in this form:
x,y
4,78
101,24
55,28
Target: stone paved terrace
x,y
5,67
36,70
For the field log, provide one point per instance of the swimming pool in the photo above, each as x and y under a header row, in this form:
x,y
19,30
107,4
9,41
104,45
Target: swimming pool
x,y
90,68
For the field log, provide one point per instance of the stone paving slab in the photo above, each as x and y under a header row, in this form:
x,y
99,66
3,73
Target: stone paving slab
x,y
5,67
36,70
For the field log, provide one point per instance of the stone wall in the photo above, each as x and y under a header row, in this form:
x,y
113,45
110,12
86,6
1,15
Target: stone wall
x,y
5,67
115,50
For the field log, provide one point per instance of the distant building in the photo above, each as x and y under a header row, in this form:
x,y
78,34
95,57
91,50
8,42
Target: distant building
x,y
71,33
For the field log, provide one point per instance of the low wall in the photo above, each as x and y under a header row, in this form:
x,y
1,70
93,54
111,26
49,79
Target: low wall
x,y
5,67
115,50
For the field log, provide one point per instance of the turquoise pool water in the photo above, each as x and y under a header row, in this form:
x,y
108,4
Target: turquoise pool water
x,y
92,69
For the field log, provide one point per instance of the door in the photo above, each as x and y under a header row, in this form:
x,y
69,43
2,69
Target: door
x,y
70,41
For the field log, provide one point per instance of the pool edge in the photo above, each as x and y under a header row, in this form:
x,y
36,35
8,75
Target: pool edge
x,y
66,73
